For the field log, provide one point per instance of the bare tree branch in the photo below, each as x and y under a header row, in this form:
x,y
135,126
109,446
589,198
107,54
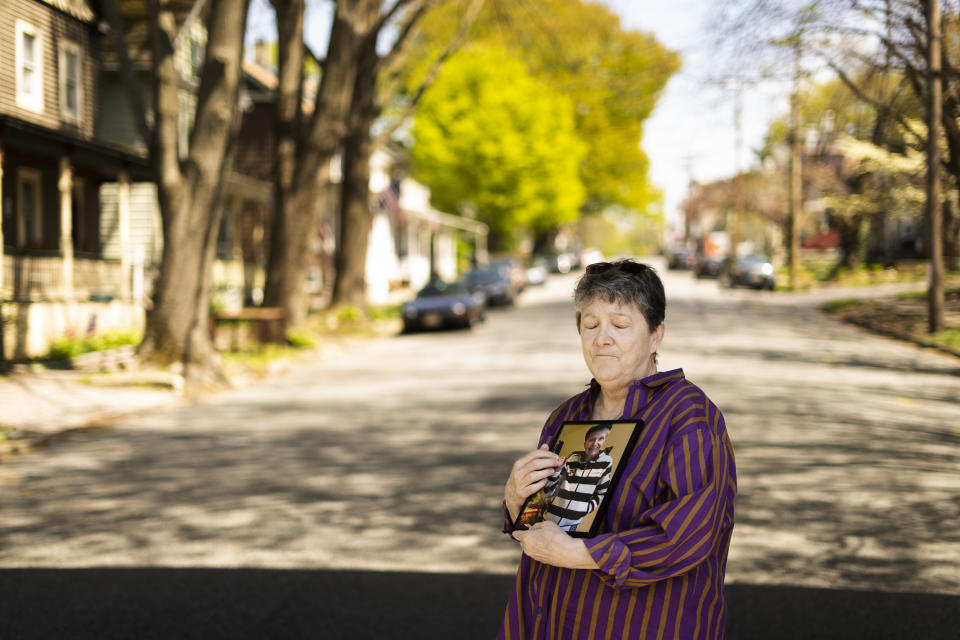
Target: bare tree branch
x,y
473,9
855,88
388,15
408,26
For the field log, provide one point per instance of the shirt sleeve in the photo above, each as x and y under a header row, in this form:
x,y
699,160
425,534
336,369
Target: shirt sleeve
x,y
683,525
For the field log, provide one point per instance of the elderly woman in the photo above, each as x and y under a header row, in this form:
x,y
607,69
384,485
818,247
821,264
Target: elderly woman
x,y
656,568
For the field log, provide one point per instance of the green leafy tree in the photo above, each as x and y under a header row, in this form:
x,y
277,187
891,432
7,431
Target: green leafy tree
x,y
492,139
612,77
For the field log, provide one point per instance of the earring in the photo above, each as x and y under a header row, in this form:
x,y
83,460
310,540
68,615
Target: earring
x,y
656,362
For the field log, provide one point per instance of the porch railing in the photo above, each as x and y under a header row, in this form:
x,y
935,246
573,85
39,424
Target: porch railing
x,y
40,277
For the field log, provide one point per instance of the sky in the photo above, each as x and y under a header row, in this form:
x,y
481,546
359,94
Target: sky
x,y
691,134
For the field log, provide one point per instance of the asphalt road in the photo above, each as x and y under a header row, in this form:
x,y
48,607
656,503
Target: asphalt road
x,y
358,496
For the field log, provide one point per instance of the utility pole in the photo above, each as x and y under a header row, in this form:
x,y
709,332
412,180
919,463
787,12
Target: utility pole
x,y
738,181
796,186
935,294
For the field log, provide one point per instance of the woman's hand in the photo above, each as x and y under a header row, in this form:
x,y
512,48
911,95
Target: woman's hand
x,y
530,474
550,544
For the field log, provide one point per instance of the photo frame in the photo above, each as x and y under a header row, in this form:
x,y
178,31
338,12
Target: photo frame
x,y
576,497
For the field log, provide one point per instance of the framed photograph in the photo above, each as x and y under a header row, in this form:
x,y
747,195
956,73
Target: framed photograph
x,y
576,496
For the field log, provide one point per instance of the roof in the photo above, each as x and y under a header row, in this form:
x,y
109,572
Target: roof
x,y
79,9
261,75
267,81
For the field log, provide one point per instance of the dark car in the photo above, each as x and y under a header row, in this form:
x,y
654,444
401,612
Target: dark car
x,y
494,282
681,259
751,271
442,304
708,267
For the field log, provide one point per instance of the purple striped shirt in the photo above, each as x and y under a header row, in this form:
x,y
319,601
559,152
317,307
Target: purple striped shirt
x,y
663,548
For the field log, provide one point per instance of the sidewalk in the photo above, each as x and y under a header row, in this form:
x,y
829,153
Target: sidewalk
x,y
37,403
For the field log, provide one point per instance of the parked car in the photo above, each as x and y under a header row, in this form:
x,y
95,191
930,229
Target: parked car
x,y
494,282
681,258
750,271
705,267
442,304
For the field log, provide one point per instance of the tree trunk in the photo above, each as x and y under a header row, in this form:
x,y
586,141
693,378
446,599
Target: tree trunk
x,y
303,158
189,193
796,185
851,230
356,219
951,234
283,266
350,284
935,294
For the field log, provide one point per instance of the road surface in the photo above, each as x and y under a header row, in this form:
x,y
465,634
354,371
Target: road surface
x,y
382,462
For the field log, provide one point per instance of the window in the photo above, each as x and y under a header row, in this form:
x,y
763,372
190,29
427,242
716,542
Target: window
x,y
29,67
29,208
71,74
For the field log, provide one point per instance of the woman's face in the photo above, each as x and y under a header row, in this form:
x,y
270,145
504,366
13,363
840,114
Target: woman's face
x,y
617,344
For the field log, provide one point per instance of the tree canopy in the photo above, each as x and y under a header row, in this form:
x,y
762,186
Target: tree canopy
x,y
611,78
492,139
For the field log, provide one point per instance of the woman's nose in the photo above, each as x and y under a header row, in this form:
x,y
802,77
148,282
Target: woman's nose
x,y
603,336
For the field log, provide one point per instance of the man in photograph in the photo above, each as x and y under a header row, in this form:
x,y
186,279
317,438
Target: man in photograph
x,y
581,484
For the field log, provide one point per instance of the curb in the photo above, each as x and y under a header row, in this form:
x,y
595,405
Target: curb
x,y
901,336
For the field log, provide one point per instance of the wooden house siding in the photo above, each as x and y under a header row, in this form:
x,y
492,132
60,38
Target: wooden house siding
x,y
53,28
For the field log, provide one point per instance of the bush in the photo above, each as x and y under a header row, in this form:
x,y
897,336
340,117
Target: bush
x,y
349,314
302,339
69,347
387,312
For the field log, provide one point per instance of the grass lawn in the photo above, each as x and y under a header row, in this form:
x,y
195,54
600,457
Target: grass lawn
x,y
905,317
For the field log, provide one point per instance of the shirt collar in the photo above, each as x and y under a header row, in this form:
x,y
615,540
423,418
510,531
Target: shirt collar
x,y
653,381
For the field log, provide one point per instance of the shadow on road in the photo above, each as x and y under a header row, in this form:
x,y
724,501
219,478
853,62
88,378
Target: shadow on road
x,y
252,603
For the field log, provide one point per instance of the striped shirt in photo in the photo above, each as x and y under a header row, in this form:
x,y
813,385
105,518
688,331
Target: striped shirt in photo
x,y
581,489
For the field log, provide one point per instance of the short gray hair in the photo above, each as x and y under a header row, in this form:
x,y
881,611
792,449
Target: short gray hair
x,y
623,282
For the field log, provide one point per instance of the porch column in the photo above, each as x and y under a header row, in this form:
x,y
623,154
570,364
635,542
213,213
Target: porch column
x,y
123,225
1,230
65,184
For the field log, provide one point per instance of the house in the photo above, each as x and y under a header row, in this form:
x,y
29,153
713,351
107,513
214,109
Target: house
x,y
82,235
410,241
55,278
